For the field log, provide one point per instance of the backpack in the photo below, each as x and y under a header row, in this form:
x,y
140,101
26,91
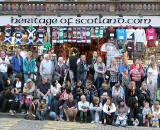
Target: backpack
x,y
155,123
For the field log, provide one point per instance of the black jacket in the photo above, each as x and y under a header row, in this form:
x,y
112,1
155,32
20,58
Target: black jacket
x,y
73,63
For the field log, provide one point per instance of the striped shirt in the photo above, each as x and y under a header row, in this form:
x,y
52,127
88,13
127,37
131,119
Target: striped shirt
x,y
136,74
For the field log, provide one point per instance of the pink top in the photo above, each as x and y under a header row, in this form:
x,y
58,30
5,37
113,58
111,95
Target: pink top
x,y
65,95
136,75
151,34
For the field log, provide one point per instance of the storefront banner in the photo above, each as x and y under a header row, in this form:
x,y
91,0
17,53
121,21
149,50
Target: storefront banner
x,y
80,21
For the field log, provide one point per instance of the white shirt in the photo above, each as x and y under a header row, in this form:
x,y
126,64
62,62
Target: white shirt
x,y
140,35
83,104
23,54
4,67
112,108
153,75
155,112
55,89
46,67
18,84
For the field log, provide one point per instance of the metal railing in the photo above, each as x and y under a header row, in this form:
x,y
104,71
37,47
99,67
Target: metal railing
x,y
87,8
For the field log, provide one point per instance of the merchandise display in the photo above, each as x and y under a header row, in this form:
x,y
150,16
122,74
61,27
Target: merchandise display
x,y
129,41
31,33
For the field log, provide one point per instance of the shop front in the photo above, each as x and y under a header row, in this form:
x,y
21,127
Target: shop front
x,y
111,36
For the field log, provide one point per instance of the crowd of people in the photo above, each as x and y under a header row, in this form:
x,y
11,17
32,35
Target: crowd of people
x,y
49,86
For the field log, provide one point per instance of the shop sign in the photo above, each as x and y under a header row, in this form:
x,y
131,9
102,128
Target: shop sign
x,y
80,21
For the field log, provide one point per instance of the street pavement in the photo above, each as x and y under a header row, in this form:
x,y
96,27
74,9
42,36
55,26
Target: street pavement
x,y
8,122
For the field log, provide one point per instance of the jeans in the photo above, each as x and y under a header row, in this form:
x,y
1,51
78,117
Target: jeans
x,y
83,114
99,82
140,119
115,100
61,111
3,78
93,115
77,98
19,97
71,75
52,115
28,76
89,98
122,122
41,115
50,97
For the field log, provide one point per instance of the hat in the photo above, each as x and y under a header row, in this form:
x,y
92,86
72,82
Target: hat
x,y
29,80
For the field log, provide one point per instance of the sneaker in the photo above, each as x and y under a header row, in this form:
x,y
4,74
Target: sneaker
x,y
124,125
67,120
14,112
11,112
61,119
92,122
81,121
100,122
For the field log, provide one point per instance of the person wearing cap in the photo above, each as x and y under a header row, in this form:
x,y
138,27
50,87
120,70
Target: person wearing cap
x,y
29,87
28,66
28,90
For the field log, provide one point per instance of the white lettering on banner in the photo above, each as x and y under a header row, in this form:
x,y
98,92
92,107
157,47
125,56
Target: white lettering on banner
x,y
79,21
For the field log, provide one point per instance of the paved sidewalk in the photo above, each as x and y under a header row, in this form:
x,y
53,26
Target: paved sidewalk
x,y
8,122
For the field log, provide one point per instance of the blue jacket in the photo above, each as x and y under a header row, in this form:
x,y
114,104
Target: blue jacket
x,y
122,67
17,66
29,66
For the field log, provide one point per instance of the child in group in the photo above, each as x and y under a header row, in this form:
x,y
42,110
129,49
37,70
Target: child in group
x,y
41,110
121,114
146,114
155,114
33,109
